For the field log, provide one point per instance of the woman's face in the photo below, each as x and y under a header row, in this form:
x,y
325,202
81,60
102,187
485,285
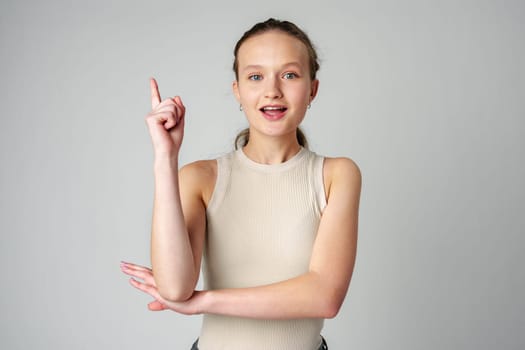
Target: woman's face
x,y
274,85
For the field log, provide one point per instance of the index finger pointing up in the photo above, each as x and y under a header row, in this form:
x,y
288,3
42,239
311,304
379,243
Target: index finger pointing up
x,y
155,96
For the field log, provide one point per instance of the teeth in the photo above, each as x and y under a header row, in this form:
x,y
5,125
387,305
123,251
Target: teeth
x,y
273,108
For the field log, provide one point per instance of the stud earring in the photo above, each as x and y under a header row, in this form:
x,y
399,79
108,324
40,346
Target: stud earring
x,y
309,105
240,107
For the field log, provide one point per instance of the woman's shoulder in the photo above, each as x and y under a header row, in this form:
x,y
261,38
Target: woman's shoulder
x,y
200,168
341,164
340,172
199,177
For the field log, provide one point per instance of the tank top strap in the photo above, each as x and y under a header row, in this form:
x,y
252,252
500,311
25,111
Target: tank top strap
x,y
318,180
224,166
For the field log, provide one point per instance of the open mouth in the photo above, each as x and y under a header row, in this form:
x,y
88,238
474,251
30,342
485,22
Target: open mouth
x,y
273,109
273,112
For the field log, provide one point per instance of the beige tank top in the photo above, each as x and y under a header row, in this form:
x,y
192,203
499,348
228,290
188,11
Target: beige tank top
x,y
262,221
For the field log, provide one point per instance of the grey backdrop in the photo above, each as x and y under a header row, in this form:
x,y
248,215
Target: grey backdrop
x,y
426,96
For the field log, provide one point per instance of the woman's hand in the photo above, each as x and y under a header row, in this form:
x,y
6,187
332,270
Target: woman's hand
x,y
165,122
192,306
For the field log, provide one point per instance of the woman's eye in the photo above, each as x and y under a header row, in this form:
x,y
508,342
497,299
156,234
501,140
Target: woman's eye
x,y
255,77
289,75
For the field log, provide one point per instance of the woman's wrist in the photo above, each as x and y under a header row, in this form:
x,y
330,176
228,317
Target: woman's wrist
x,y
205,301
163,160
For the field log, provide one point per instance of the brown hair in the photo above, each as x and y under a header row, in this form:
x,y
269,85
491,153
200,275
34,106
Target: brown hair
x,y
243,137
291,29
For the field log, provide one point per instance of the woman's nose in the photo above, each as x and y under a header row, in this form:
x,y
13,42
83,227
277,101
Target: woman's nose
x,y
273,88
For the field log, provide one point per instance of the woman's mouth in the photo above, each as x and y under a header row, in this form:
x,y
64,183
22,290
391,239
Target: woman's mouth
x,y
273,112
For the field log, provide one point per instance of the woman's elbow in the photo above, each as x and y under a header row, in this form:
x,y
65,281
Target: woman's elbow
x,y
331,303
330,309
329,297
175,294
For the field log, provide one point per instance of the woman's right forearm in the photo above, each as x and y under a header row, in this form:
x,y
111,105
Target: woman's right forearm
x,y
171,254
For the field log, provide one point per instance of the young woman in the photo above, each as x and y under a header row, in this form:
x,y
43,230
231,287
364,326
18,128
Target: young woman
x,y
275,223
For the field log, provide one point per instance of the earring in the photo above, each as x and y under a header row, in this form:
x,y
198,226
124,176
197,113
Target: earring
x,y
240,107
309,105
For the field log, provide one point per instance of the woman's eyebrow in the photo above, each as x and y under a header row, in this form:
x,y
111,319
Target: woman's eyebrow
x,y
252,67
294,63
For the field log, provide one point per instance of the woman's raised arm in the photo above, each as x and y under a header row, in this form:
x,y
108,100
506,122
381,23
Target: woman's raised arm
x,y
178,222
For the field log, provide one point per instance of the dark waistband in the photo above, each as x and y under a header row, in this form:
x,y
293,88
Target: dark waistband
x,y
323,345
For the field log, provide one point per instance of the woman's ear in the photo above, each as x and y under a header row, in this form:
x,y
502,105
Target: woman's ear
x,y
235,88
313,89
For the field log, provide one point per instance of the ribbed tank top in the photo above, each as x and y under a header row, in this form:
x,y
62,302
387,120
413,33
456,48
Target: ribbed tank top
x,y
262,222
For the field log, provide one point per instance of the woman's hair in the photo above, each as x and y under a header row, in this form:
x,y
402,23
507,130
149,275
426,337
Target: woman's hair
x,y
288,28
243,137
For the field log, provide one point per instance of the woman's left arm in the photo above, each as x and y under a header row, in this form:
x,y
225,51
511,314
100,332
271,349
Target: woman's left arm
x,y
320,292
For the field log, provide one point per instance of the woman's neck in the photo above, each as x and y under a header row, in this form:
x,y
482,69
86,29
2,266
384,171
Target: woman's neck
x,y
271,150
